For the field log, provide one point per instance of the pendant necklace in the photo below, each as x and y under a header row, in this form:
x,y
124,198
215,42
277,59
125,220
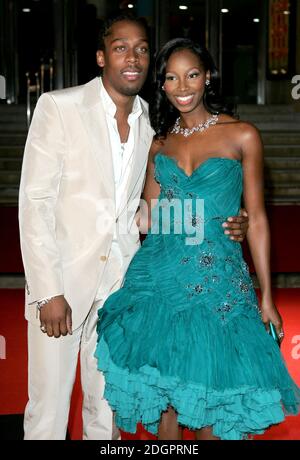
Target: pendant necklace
x,y
123,144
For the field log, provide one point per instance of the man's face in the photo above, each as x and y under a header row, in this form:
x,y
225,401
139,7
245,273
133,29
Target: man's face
x,y
125,60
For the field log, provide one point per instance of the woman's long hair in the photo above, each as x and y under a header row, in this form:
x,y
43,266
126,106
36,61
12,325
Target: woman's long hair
x,y
162,113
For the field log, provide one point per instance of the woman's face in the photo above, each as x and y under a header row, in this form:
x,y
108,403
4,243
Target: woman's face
x,y
185,80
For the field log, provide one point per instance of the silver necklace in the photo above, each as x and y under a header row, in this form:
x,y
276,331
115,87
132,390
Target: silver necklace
x,y
123,144
195,129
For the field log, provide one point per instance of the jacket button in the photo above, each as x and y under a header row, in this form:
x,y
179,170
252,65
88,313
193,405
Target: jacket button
x,y
103,258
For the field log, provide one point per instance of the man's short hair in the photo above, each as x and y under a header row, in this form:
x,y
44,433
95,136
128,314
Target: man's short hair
x,y
107,25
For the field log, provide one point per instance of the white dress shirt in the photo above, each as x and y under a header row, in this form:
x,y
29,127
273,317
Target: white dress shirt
x,y
122,155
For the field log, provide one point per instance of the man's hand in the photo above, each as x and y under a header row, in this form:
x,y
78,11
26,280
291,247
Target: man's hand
x,y
56,317
236,227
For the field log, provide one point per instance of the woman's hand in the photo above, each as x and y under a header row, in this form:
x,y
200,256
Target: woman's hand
x,y
236,227
270,314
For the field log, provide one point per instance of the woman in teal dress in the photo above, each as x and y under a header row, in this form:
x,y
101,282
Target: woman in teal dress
x,y
183,343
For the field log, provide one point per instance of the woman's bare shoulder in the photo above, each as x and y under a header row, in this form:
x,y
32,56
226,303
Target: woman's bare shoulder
x,y
239,127
248,132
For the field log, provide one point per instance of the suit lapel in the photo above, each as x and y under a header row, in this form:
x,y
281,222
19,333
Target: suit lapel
x,y
143,138
94,120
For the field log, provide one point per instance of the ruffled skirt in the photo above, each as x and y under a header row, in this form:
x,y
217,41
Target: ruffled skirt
x,y
155,354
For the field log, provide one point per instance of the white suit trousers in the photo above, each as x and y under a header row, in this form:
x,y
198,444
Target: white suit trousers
x,y
52,370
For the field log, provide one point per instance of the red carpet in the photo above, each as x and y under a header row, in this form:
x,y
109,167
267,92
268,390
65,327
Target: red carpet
x,y
10,261
13,369
284,220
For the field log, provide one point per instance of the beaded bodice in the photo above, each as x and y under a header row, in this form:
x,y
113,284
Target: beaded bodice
x,y
188,235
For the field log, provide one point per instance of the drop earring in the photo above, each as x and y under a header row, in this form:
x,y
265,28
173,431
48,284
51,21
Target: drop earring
x,y
101,62
207,82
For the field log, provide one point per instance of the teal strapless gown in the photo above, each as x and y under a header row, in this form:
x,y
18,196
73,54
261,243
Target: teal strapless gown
x,y
185,330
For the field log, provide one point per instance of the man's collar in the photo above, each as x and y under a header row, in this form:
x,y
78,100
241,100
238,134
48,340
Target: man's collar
x,y
110,107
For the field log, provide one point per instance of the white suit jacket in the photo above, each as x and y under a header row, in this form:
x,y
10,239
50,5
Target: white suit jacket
x,y
67,209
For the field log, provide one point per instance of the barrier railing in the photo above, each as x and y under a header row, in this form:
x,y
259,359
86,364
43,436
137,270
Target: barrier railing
x,y
36,86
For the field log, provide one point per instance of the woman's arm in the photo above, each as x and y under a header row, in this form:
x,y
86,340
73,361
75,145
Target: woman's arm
x,y
151,191
258,234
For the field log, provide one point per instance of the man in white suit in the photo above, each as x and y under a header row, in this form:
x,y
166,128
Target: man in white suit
x,y
83,172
